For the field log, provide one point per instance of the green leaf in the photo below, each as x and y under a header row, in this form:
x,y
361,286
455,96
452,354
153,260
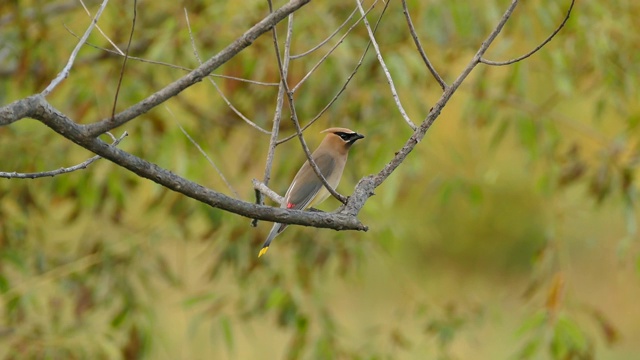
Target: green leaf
x,y
533,322
227,332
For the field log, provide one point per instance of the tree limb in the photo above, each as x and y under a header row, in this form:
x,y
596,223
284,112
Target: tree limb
x,y
38,108
43,111
366,186
296,122
197,74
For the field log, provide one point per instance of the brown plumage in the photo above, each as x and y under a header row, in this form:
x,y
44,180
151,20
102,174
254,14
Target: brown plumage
x,y
306,189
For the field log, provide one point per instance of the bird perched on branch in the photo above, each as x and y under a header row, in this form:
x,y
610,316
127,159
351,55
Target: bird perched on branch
x,y
307,189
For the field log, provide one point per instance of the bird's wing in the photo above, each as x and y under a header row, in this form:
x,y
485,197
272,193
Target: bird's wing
x,y
299,195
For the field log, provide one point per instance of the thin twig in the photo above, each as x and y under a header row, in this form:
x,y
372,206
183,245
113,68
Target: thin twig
x,y
126,57
277,116
197,56
179,85
334,47
67,68
264,189
344,86
236,111
226,100
178,67
224,179
416,40
294,118
81,166
314,166
396,98
100,30
553,34
293,57
38,108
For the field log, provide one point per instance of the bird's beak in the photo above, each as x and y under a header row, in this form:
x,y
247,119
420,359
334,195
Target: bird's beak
x,y
358,137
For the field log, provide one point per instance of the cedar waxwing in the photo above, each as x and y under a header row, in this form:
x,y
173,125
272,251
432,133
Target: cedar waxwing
x,y
307,189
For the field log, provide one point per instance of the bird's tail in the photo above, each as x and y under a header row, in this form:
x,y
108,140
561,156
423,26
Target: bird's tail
x,y
275,230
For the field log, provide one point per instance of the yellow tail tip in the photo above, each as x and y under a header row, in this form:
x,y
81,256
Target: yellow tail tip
x,y
263,251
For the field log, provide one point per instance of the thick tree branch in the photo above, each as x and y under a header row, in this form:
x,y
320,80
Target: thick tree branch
x,y
38,108
15,111
43,111
196,75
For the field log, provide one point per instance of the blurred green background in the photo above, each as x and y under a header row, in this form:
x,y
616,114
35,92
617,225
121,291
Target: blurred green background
x,y
509,233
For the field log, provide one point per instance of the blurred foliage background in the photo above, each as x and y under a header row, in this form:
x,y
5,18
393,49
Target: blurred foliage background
x,y
509,233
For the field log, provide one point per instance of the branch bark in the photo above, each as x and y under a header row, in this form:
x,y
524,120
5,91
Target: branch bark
x,y
60,123
37,107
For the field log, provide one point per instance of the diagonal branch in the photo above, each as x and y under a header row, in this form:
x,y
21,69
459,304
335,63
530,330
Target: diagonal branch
x,y
173,66
196,75
215,85
366,186
65,71
344,85
100,30
416,40
535,50
394,93
204,153
333,48
126,57
297,56
294,118
38,108
262,188
277,116
43,111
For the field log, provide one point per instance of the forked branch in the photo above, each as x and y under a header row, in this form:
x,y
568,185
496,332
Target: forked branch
x,y
37,107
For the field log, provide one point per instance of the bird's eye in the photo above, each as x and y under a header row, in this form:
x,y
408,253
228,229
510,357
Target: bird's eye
x,y
343,136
